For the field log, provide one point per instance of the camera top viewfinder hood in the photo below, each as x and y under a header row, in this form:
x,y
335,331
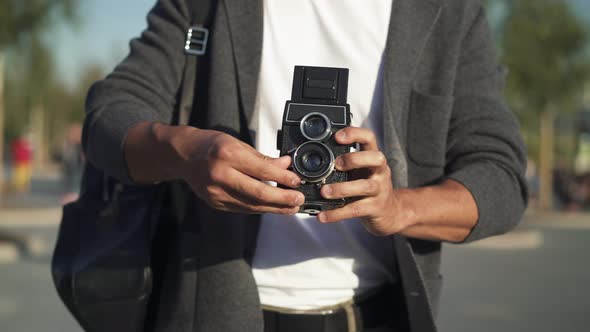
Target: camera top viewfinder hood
x,y
320,85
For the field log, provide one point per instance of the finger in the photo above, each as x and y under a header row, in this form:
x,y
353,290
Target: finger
x,y
266,168
234,202
283,162
260,192
357,188
247,160
358,209
365,137
263,209
361,159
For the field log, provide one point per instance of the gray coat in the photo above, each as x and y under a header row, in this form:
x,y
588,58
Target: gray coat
x,y
444,117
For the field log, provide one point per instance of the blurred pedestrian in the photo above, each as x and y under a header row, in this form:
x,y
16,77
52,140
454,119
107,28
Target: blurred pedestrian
x,y
72,158
581,192
22,159
532,178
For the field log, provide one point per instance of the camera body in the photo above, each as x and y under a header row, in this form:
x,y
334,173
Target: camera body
x,y
316,111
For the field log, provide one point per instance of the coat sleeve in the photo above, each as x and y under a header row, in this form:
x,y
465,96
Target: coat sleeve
x,y
485,149
143,87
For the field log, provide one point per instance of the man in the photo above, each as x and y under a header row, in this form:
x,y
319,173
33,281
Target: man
x,y
441,157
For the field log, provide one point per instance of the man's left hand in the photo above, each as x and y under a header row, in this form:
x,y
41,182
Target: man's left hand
x,y
375,202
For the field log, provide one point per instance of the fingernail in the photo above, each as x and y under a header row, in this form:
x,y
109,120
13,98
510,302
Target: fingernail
x,y
295,183
327,191
299,200
341,134
339,162
322,217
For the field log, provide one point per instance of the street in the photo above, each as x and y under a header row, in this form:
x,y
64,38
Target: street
x,y
537,283
535,279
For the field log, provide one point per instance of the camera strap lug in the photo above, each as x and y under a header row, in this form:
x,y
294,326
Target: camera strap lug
x,y
197,38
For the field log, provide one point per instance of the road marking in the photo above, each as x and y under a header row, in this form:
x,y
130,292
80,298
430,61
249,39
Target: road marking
x,y
566,224
516,240
8,253
572,220
30,217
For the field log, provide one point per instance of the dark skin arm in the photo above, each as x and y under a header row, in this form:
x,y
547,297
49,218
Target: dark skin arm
x,y
226,173
223,171
443,212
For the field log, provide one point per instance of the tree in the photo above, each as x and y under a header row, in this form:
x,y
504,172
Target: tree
x,y
18,19
65,105
543,44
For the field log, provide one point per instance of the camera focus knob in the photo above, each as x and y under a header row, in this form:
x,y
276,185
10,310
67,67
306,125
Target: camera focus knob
x,y
279,139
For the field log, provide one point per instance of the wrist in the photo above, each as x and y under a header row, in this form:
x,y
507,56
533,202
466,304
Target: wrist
x,y
408,213
171,141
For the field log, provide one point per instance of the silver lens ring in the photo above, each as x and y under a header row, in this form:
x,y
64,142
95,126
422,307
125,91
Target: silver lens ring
x,y
327,167
327,131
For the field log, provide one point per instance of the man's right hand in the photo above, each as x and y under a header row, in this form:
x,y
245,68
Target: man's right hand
x,y
222,170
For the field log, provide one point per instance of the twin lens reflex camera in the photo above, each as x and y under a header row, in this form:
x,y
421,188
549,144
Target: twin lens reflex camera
x,y
316,111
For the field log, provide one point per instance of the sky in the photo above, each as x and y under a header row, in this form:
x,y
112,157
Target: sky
x,y
102,36
582,9
107,26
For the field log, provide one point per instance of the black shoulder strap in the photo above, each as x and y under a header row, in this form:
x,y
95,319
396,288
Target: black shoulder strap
x,y
195,48
174,266
201,12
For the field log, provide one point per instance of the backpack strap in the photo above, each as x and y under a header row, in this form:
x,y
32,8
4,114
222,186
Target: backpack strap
x,y
195,48
172,304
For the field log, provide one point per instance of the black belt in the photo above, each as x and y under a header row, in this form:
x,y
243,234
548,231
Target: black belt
x,y
383,309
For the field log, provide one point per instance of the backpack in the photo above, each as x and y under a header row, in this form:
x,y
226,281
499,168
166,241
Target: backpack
x,y
114,242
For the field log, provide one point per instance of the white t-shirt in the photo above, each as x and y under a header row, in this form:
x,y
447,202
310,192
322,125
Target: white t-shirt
x,y
300,263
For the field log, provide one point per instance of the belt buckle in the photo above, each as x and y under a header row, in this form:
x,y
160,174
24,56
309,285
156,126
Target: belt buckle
x,y
347,306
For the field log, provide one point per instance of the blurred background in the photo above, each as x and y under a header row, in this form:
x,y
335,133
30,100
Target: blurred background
x,y
533,279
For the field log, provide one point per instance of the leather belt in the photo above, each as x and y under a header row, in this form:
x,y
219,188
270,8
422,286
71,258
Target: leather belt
x,y
381,308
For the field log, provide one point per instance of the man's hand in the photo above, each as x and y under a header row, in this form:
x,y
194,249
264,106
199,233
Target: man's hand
x,y
228,175
441,212
223,171
377,203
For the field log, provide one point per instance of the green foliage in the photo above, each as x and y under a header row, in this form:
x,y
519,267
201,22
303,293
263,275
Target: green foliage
x,y
31,79
66,105
544,45
33,82
20,17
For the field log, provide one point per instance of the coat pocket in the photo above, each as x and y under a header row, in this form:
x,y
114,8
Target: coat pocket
x,y
428,125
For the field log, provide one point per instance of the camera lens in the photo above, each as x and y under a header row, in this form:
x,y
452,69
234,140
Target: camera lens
x,y
316,126
311,161
314,161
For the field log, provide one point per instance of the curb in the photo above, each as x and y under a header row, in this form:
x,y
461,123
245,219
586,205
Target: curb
x,y
30,218
520,239
9,253
558,219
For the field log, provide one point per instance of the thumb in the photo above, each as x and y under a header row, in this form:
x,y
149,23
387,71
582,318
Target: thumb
x,y
283,162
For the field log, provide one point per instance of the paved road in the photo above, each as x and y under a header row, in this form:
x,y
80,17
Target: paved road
x,y
539,283
533,280
28,302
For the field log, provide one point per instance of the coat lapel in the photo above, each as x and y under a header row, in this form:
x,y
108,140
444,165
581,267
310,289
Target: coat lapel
x,y
409,29
410,26
245,26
